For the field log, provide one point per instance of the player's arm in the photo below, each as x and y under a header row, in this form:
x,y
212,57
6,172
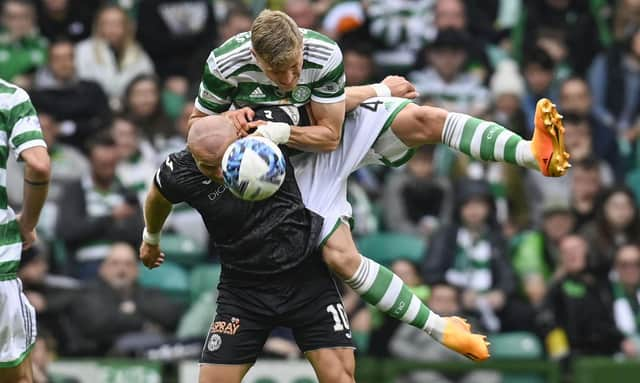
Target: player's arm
x,y
324,135
37,171
156,211
27,142
396,86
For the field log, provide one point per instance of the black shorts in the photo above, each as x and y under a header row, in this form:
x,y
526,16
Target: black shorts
x,y
304,299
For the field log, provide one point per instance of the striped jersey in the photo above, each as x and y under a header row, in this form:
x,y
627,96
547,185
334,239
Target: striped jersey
x,y
19,130
232,76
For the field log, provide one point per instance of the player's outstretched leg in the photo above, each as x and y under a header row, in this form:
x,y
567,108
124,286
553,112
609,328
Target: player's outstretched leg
x,y
486,140
21,373
220,373
379,286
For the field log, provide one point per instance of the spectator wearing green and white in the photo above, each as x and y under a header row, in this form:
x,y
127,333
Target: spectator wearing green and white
x,y
444,82
22,49
626,292
402,27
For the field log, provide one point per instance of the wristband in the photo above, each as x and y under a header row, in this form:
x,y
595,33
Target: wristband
x,y
278,132
381,89
151,238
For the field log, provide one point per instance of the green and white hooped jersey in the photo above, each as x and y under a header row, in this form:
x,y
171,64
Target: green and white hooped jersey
x,y
19,130
232,76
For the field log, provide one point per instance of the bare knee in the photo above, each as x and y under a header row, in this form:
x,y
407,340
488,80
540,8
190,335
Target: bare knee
x,y
341,254
419,125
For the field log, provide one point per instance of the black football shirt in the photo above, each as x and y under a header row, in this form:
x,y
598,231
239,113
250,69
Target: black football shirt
x,y
262,237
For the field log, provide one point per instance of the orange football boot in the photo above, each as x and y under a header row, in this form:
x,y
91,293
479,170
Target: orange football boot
x,y
548,140
459,338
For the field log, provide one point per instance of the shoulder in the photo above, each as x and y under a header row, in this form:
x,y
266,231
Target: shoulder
x,y
236,51
11,95
319,49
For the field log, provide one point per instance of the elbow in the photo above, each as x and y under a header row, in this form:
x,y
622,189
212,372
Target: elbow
x,y
40,168
332,143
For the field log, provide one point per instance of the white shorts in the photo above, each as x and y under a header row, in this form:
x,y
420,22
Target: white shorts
x,y
17,324
366,140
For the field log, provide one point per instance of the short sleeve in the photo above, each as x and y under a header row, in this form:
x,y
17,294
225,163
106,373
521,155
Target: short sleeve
x,y
166,180
24,125
214,93
330,88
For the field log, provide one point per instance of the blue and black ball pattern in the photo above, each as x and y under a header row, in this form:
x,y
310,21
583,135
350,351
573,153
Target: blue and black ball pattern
x,y
276,164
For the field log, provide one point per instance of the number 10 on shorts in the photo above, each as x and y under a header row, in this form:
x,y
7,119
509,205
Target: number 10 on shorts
x,y
339,317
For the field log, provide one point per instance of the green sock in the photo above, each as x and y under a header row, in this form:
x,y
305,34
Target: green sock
x,y
487,141
380,287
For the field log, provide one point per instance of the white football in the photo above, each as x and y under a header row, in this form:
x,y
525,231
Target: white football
x,y
253,168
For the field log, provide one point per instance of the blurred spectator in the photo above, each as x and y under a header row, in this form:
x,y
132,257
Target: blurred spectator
x,y
579,305
302,12
68,19
111,56
410,343
452,14
342,18
236,21
586,185
470,254
415,200
538,69
567,29
359,68
51,295
97,210
22,49
400,27
614,78
67,164
626,293
617,223
579,143
177,34
80,105
445,83
575,98
115,312
535,254
507,90
626,18
137,158
41,357
141,105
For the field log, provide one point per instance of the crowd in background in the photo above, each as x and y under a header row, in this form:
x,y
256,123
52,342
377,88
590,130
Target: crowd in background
x,y
114,83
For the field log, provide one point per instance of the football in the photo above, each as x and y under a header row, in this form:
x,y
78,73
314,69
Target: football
x,y
253,168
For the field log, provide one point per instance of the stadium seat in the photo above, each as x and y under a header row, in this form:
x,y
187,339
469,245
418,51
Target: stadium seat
x,y
203,278
384,248
517,345
170,278
633,181
183,250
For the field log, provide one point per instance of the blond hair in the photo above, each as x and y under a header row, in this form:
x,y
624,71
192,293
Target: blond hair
x,y
275,37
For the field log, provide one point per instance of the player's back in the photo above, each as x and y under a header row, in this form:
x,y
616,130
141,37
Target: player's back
x,y
232,76
261,237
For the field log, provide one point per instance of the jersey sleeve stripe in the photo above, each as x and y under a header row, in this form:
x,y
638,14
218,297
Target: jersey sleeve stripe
x,y
21,139
327,49
29,144
19,110
322,59
327,100
25,124
204,109
237,57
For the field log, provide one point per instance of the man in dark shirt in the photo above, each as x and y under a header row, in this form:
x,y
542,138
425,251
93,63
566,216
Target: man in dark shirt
x,y
271,273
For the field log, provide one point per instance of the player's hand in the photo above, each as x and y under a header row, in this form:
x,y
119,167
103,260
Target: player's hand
x,y
151,255
29,237
240,119
400,87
